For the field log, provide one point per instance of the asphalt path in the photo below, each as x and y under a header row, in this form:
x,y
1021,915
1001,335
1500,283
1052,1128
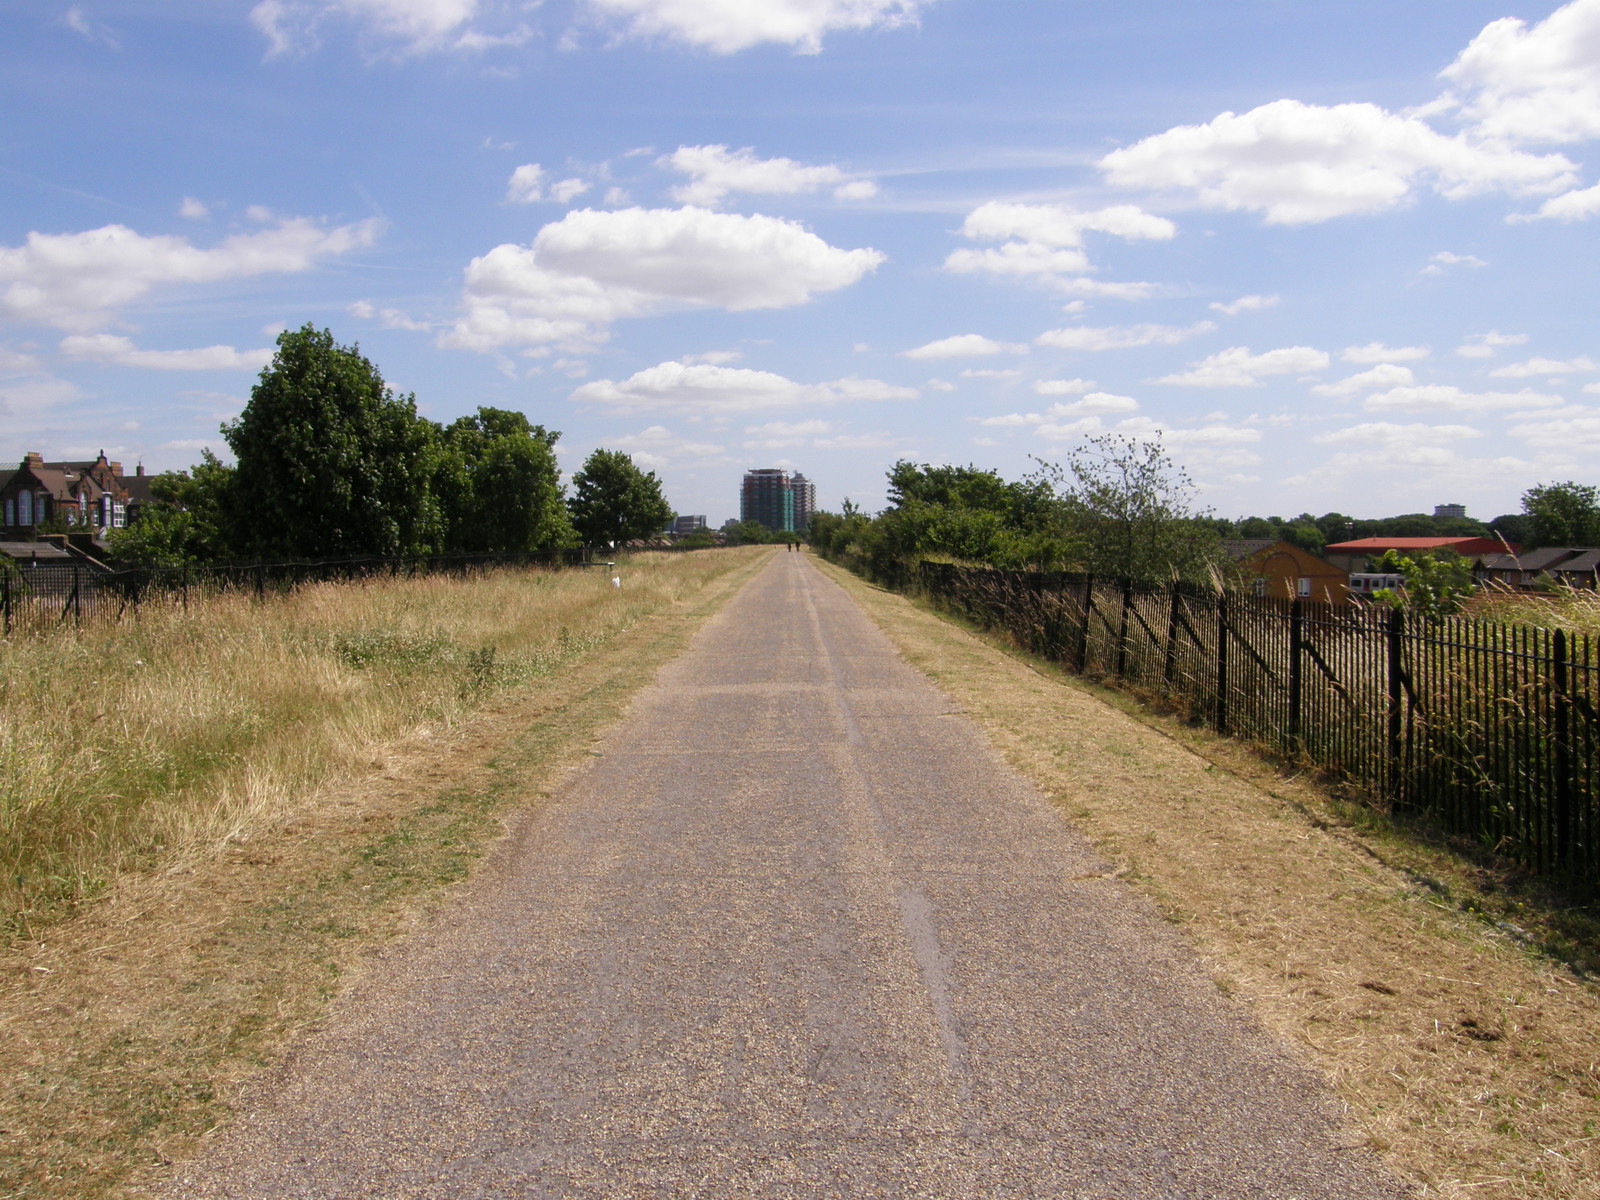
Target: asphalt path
x,y
795,931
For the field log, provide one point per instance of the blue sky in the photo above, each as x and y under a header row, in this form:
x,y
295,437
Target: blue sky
x,y
1341,255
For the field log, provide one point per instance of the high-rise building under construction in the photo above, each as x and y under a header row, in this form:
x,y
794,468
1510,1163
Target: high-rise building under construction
x,y
775,498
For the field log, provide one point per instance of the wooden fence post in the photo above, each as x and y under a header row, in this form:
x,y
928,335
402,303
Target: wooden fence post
x,y
1562,850
1296,653
1222,663
1396,745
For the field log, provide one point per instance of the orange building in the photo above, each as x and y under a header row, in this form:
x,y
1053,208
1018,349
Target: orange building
x,y
1286,572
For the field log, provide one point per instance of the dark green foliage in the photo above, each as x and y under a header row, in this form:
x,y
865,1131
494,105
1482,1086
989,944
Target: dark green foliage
x,y
332,463
614,502
183,522
498,486
1437,584
1562,514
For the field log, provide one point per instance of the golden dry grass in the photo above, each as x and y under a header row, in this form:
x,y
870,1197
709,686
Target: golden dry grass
x,y
1470,1063
346,788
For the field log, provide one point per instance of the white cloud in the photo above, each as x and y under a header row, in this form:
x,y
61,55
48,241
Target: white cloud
x,y
728,26
1237,367
1045,241
1125,337
658,446
1569,206
594,267
1300,163
526,185
964,345
1538,84
120,351
709,390
568,190
1380,377
1571,431
717,358
1377,352
1445,258
1063,387
75,280
1483,345
1096,404
1383,433
409,26
939,385
1245,304
1442,398
1545,367
192,210
80,22
714,172
1010,373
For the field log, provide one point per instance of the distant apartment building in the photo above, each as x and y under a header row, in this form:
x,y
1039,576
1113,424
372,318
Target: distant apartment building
x,y
683,526
1452,511
777,499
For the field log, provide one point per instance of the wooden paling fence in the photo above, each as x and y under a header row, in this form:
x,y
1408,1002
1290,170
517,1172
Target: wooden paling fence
x,y
45,595
1489,730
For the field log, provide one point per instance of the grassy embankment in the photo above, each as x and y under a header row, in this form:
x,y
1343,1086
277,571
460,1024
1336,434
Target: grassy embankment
x,y
1468,1059
207,817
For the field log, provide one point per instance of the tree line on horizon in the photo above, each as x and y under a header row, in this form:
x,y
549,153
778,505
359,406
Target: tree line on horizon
x,y
1120,507
331,463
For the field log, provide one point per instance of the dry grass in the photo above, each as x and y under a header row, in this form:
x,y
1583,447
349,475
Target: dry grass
x,y
1559,608
364,754
1470,1063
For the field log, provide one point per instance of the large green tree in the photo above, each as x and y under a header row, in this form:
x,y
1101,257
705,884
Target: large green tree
x,y
1562,514
184,520
331,462
614,501
498,485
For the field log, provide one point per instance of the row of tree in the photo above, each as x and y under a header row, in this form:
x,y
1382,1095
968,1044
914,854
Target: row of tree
x,y
1553,514
332,463
1120,506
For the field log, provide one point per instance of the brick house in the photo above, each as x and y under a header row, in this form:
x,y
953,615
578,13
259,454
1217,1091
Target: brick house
x,y
1286,572
90,497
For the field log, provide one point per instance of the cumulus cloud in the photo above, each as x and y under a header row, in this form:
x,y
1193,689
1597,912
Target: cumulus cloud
x,y
592,268
1237,367
1570,431
657,446
192,210
1045,241
1377,352
715,171
1096,404
1484,345
76,281
1442,398
1123,337
1301,163
991,373
1545,367
1381,377
1445,258
1245,304
567,190
120,351
964,345
1534,84
706,390
728,26
1578,205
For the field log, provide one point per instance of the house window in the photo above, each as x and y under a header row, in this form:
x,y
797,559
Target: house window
x,y
24,508
1305,586
119,515
105,510
11,511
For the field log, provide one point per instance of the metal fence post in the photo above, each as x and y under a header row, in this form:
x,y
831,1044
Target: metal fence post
x,y
1122,629
77,608
1396,745
1562,850
1169,663
1296,653
1222,663
5,581
1083,629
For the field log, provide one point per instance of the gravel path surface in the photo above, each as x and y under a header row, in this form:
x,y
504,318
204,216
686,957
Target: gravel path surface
x,y
796,931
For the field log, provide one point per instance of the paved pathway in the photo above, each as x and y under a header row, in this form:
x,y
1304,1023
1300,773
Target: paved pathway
x,y
797,933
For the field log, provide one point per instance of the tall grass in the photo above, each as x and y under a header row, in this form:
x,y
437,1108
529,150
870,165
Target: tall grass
x,y
138,744
1572,609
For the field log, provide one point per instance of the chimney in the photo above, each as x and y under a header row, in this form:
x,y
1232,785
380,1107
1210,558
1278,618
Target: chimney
x,y
138,471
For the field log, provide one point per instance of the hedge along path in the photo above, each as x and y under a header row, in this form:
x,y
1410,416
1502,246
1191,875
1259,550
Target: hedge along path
x,y
1472,1065
126,1031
